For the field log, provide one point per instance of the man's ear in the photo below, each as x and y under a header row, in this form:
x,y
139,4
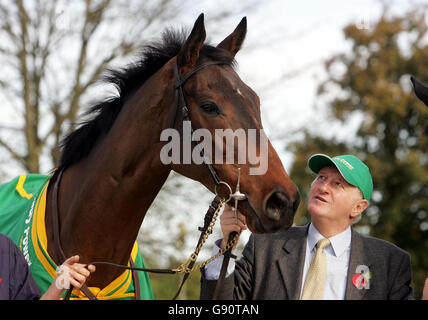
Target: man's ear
x,y
358,208
421,90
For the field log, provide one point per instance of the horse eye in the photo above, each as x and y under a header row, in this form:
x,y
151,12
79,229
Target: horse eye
x,y
210,108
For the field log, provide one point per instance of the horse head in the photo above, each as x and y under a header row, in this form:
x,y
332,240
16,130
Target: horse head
x,y
421,92
224,113
115,162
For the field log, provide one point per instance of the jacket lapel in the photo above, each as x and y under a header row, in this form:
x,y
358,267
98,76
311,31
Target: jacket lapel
x,y
291,263
359,256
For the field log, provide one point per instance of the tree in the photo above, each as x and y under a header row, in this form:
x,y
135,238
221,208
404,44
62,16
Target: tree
x,y
47,88
53,54
372,82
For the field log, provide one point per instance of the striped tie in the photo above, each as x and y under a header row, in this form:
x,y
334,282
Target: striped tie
x,y
315,279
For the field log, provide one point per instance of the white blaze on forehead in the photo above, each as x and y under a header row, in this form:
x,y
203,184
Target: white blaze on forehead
x,y
235,85
239,92
234,82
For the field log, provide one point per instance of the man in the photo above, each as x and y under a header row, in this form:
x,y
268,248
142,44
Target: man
x,y
17,283
326,259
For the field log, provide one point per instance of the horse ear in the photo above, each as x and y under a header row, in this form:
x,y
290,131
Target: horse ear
x,y
421,90
234,41
189,53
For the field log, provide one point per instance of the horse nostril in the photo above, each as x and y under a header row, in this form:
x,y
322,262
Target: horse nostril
x,y
276,205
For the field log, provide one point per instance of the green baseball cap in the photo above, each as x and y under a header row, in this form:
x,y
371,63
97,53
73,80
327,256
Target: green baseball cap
x,y
352,169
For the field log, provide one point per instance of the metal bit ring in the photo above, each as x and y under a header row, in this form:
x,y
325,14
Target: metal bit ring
x,y
227,185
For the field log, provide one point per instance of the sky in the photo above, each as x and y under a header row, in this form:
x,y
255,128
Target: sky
x,y
282,60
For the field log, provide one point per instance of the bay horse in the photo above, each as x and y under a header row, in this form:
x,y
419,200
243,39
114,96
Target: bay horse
x,y
421,92
111,166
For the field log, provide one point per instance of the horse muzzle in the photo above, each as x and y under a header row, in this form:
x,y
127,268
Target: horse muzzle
x,y
277,215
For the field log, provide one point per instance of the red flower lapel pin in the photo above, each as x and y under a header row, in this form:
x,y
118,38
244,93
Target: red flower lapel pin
x,y
361,278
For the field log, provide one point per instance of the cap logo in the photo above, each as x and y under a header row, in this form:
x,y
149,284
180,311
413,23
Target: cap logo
x,y
346,163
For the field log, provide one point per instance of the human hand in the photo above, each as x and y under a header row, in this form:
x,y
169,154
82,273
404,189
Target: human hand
x,y
228,224
69,273
73,273
425,291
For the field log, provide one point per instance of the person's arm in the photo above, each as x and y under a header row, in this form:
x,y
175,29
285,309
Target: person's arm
x,y
228,225
235,284
425,291
72,273
401,289
212,269
21,282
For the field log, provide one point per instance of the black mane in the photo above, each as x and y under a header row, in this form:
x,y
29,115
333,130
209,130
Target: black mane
x,y
78,144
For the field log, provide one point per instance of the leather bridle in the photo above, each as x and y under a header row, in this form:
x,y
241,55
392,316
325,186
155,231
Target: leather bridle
x,y
179,102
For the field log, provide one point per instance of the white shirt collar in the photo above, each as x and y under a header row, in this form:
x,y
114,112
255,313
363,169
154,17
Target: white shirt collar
x,y
340,242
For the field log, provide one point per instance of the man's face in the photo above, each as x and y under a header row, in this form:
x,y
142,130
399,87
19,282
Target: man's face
x,y
331,197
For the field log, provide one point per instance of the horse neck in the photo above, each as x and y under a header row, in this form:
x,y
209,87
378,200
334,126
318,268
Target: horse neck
x,y
104,198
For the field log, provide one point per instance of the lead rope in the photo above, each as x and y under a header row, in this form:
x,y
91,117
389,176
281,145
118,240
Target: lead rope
x,y
56,235
189,265
233,236
208,221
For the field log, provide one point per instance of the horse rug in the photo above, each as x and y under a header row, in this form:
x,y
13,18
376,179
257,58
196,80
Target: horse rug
x,y
22,218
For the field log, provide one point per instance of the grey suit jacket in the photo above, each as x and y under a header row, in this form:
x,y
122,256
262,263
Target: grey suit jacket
x,y
271,268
